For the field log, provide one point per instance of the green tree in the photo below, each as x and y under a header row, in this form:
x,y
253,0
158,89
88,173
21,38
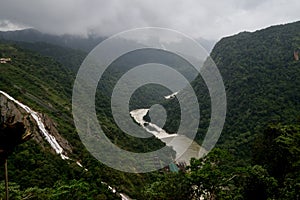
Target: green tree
x,y
278,151
259,184
169,186
212,176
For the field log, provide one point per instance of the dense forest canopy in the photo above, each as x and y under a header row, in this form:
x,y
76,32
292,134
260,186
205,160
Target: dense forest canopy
x,y
257,156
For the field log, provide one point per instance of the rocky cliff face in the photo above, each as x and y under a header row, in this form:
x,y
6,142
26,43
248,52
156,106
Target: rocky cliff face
x,y
15,126
18,124
51,127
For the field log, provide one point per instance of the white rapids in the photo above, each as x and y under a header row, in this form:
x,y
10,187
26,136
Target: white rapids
x,y
171,96
176,141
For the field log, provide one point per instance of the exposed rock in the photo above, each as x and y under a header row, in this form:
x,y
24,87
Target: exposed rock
x,y
17,125
51,127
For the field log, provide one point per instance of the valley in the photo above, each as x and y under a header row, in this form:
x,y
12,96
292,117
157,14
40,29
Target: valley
x,y
256,157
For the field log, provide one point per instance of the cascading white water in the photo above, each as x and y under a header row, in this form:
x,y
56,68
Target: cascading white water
x,y
49,138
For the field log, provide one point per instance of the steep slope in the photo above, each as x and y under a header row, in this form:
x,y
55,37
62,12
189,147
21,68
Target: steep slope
x,y
262,80
45,86
261,77
14,127
36,125
258,154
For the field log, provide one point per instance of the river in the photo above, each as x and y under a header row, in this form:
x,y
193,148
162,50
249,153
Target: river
x,y
178,141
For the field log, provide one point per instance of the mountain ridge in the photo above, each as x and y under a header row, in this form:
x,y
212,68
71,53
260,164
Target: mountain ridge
x,y
70,41
261,79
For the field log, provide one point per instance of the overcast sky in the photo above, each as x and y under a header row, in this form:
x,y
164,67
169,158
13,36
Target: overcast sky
x,y
197,18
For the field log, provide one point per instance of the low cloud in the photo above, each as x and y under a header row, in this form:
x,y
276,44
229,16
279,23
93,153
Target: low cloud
x,y
197,18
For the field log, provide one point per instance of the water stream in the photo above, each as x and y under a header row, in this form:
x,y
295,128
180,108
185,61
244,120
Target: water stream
x,y
49,138
178,141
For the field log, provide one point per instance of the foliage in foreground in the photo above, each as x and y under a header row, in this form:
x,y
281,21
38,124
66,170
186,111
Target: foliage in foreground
x,y
61,190
272,175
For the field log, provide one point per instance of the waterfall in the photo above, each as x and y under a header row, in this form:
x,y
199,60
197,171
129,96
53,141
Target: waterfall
x,y
49,138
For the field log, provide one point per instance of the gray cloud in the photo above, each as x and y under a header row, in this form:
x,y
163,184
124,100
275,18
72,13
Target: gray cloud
x,y
197,18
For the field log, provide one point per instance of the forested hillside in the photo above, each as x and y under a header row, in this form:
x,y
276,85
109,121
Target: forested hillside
x,y
261,78
259,146
45,85
257,156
